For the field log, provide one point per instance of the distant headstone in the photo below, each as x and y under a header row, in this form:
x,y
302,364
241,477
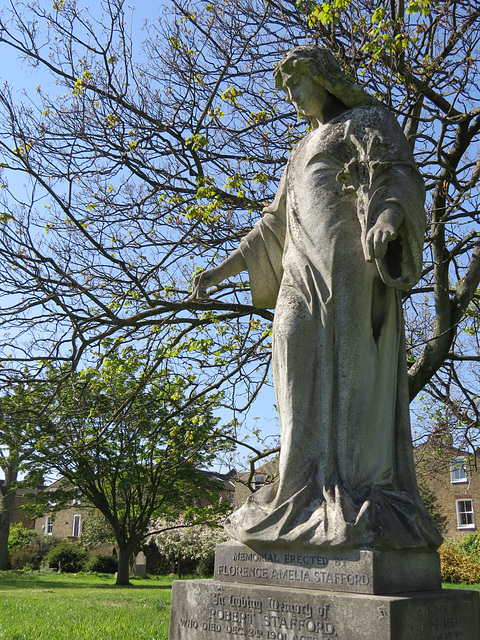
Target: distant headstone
x,y
140,568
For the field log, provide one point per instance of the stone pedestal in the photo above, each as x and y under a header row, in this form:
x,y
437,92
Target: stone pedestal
x,y
298,595
350,570
208,609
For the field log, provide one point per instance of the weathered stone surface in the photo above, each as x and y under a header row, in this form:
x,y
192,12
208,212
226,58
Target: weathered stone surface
x,y
210,610
352,571
332,253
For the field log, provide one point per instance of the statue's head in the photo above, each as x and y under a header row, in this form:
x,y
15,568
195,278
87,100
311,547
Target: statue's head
x,y
321,66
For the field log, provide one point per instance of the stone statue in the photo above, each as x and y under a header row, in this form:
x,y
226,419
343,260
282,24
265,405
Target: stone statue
x,y
332,253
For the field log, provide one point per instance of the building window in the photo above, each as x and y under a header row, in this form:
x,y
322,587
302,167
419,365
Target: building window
x,y
48,526
457,470
77,520
258,481
465,514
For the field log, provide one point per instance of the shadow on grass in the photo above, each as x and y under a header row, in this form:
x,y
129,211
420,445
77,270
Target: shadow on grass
x,y
19,580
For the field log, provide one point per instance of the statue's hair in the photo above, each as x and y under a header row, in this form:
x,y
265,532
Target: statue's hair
x,y
322,67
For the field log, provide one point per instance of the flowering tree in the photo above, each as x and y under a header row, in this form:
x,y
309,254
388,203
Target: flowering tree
x,y
181,539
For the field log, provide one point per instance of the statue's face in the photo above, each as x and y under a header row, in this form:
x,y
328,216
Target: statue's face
x,y
308,97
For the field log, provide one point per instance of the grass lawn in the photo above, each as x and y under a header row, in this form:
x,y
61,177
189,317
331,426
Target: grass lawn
x,y
41,606
462,585
50,606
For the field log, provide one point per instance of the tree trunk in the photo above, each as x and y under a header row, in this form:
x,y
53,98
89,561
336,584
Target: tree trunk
x,y
7,499
179,568
123,569
4,531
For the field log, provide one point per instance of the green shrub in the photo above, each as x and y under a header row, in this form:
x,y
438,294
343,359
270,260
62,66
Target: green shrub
x,y
157,563
23,558
103,563
28,547
206,566
471,545
457,565
41,547
67,557
20,537
430,501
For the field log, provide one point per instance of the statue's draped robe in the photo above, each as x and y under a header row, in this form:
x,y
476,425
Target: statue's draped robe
x,y
346,475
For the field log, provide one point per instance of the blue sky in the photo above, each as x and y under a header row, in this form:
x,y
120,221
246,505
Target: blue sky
x,y
23,80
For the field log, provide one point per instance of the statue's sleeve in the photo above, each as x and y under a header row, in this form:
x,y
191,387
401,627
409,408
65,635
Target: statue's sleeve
x,y
401,267
262,250
395,181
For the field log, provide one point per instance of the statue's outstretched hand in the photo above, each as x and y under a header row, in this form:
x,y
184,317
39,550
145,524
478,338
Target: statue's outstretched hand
x,y
201,283
377,241
210,277
383,231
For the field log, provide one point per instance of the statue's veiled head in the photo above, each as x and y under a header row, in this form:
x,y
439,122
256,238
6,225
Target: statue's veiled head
x,y
321,66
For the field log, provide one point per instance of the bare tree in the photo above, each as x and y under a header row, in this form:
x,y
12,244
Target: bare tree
x,y
139,168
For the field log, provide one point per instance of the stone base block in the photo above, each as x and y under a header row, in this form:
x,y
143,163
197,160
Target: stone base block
x,y
211,610
350,571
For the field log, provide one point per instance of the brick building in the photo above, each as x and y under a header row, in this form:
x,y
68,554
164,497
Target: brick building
x,y
453,476
450,473
65,523
264,474
19,512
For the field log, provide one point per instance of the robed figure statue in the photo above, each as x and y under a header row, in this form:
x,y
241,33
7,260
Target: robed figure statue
x,y
332,253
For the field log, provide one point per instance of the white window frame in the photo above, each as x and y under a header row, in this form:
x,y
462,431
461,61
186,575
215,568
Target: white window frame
x,y
467,513
458,473
48,526
258,480
77,525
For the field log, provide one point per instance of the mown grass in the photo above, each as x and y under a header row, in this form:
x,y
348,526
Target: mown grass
x,y
41,606
461,585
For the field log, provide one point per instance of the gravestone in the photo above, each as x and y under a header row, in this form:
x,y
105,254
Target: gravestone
x,y
206,609
292,594
140,567
341,546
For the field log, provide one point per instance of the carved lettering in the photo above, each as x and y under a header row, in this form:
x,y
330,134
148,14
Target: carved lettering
x,y
245,602
244,572
211,626
290,574
436,619
282,615
352,579
218,599
287,607
318,561
298,624
231,615
255,557
188,623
